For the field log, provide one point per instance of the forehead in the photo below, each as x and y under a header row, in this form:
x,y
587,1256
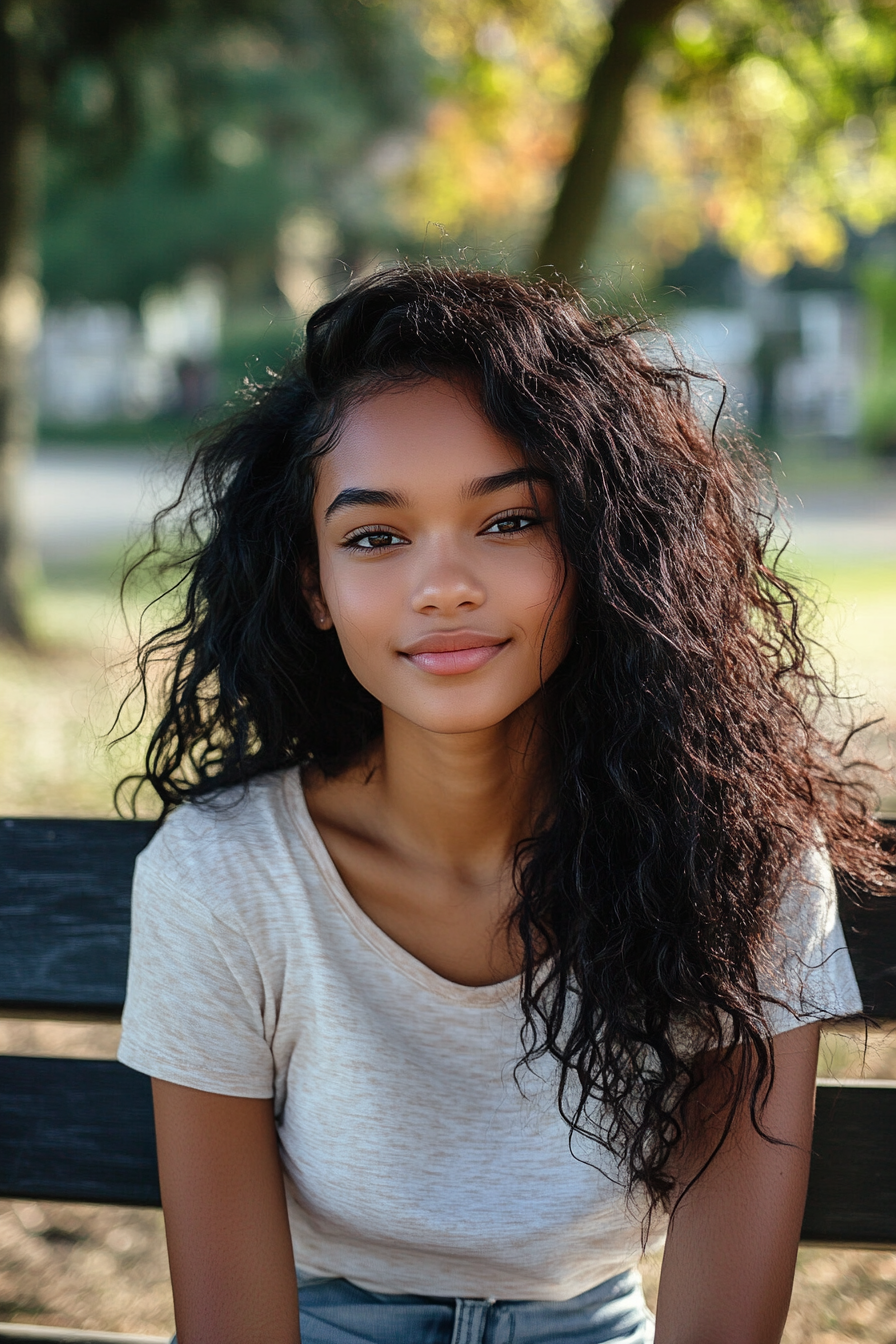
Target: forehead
x,y
413,433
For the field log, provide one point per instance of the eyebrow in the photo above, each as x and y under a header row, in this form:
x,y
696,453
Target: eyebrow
x,y
374,499
394,499
489,485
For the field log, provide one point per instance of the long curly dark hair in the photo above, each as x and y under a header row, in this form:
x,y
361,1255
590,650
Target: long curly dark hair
x,y
688,768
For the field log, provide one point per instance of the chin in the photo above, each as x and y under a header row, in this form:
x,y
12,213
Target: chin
x,y
459,718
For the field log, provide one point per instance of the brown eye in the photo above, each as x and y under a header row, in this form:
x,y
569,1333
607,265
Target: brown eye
x,y
375,540
516,522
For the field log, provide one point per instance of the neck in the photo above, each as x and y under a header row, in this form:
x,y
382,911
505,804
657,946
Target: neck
x,y
464,799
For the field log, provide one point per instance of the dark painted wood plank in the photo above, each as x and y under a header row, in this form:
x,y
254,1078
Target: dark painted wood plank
x,y
82,1130
76,1129
852,1185
65,916
65,919
38,1334
870,929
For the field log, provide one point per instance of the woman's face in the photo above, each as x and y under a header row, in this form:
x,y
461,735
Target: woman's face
x,y
439,561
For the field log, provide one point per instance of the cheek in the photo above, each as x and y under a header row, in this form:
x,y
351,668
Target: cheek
x,y
541,592
560,633
552,594
362,602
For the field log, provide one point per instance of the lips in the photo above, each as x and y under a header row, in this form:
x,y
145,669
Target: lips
x,y
450,655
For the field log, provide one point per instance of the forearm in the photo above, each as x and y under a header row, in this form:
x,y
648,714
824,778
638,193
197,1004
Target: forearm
x,y
737,1292
229,1246
728,1265
230,1294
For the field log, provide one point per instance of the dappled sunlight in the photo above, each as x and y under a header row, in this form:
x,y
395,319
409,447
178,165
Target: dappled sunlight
x,y
58,706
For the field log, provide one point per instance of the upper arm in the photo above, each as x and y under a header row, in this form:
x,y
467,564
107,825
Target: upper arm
x,y
728,1265
226,1223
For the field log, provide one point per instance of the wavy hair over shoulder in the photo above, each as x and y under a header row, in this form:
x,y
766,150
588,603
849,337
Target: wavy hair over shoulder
x,y
688,768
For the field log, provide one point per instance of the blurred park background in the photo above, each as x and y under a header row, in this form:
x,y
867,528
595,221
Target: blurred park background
x,y
182,182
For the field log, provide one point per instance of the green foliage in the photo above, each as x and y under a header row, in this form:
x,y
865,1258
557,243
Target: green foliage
x,y
765,124
103,241
877,281
771,125
254,341
768,125
189,142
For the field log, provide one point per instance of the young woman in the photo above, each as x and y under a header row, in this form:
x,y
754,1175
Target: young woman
x,y
492,919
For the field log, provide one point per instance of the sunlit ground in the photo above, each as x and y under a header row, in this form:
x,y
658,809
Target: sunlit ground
x,y
105,1268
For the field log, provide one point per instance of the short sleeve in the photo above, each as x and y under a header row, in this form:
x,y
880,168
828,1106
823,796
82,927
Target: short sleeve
x,y
807,974
194,1008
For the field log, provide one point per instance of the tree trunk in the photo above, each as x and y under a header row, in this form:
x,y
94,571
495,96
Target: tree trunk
x,y
580,202
20,163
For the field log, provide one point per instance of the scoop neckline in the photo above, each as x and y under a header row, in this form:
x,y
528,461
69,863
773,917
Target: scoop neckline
x,y
375,937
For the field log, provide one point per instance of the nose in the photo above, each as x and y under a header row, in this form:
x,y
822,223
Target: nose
x,y
447,584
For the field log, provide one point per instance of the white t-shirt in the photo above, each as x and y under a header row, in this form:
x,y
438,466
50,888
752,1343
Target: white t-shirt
x,y
412,1161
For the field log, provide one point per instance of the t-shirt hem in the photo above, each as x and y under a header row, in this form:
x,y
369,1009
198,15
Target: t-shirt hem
x,y
784,1020
168,1073
429,1284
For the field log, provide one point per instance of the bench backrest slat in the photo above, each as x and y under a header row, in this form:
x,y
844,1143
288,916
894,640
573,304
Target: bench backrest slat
x,y
77,1130
65,919
852,1181
65,912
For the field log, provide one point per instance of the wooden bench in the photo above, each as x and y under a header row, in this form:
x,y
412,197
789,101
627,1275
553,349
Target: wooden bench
x,y
82,1130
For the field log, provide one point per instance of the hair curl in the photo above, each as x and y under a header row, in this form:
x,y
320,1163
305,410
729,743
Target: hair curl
x,y
688,767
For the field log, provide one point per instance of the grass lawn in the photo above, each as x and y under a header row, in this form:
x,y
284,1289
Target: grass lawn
x,y
856,621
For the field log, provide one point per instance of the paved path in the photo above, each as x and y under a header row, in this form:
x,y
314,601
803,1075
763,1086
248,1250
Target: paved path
x,y
73,503
847,521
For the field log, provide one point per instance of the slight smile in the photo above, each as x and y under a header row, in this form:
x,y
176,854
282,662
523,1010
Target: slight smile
x,y
452,654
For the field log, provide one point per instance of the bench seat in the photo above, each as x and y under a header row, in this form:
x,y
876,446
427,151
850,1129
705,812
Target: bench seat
x,y
52,1335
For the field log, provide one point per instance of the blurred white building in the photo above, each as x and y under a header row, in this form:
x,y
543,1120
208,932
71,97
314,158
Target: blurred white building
x,y
818,392
100,362
721,342
811,344
93,365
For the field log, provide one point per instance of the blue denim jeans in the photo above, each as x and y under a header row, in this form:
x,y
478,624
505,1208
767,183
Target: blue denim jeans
x,y
334,1311
337,1312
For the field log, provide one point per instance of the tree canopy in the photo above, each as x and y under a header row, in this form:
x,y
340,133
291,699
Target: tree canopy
x,y
234,122
772,125
768,124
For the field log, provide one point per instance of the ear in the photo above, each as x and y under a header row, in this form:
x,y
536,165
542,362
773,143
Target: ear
x,y
314,598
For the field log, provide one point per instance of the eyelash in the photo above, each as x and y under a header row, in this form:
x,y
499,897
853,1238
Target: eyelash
x,y
353,541
532,519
